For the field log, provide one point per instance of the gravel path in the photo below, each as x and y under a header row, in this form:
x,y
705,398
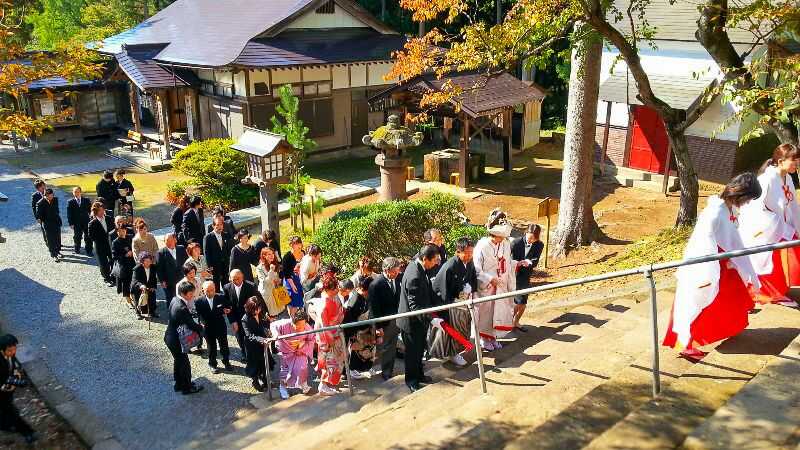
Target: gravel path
x,y
93,343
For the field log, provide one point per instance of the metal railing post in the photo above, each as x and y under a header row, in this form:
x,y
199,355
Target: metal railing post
x,y
478,350
267,351
648,273
347,362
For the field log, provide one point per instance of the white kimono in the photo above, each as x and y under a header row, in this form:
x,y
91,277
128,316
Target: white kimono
x,y
770,218
698,284
494,318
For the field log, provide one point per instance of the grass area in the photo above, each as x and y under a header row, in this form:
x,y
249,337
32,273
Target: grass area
x,y
149,192
667,245
331,173
50,158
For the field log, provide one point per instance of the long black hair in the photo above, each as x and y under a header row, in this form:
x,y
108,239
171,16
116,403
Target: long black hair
x,y
741,189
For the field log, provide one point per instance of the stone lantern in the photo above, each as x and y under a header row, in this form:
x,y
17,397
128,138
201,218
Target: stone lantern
x,y
391,139
268,159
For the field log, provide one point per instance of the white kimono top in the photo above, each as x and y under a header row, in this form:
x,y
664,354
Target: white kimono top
x,y
494,261
770,218
698,284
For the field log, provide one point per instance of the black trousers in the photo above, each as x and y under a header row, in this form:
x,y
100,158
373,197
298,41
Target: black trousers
x,y
241,340
81,232
169,293
181,369
213,339
220,277
104,263
10,420
44,234
415,342
388,349
53,234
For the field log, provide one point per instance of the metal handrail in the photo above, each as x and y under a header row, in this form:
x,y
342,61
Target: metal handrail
x,y
646,270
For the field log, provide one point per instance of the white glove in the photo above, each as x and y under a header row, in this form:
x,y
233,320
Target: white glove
x,y
437,322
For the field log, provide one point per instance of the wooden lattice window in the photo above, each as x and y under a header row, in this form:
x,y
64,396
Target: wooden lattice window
x,y
328,8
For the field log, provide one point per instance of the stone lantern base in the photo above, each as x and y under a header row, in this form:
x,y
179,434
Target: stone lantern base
x,y
393,177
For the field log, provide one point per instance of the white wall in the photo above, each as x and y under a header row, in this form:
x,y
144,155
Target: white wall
x,y
316,74
239,83
258,76
341,78
283,76
223,76
358,75
377,72
339,19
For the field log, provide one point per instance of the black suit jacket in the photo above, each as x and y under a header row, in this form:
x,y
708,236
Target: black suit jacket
x,y
48,213
178,315
452,278
78,213
260,245
107,190
416,294
518,254
177,221
237,303
100,236
35,197
170,270
119,250
383,302
214,319
216,256
141,281
192,227
229,227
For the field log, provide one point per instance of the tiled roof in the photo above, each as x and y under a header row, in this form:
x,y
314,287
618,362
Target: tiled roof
x,y
138,65
678,91
299,47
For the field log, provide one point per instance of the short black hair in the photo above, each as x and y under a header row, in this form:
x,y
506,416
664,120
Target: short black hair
x,y
299,315
107,174
347,284
196,201
188,268
48,191
38,182
364,283
464,243
741,189
184,287
8,340
535,229
428,252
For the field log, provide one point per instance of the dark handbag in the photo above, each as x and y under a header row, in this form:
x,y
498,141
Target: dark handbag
x,y
188,337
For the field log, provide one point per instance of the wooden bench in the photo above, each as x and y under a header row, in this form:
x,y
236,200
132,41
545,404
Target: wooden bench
x,y
134,140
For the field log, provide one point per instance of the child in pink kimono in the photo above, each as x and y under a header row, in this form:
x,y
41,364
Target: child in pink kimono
x,y
332,355
295,352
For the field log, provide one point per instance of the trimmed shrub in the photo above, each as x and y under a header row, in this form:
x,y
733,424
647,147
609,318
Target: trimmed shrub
x,y
175,190
216,170
385,229
474,232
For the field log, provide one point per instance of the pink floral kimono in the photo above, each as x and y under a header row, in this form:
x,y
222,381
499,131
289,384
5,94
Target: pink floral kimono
x,y
295,353
332,355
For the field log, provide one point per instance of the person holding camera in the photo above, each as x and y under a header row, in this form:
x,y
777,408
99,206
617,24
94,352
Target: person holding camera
x,y
11,377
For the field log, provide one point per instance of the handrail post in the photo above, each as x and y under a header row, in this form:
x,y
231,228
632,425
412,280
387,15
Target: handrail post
x,y
477,339
347,362
267,352
648,273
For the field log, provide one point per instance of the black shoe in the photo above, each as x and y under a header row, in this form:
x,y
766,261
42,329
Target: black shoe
x,y
244,359
413,387
228,366
177,388
426,379
214,369
194,389
257,386
56,259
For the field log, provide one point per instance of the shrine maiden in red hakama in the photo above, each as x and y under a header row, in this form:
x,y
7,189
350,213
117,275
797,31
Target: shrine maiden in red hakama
x,y
712,299
773,218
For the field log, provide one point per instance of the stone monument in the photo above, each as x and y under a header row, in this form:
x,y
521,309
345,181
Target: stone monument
x,y
391,139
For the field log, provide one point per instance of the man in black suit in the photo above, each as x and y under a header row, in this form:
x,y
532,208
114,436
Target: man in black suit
x,y
212,309
230,228
455,281
384,298
217,250
78,209
527,250
169,264
99,227
11,377
192,226
47,212
37,195
417,294
179,315
106,190
145,280
237,292
434,236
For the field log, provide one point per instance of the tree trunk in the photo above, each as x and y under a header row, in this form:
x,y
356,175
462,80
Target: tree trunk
x,y
576,224
687,213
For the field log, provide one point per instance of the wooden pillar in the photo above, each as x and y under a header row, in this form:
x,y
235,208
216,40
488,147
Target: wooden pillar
x,y
506,137
191,114
137,120
605,140
163,111
463,160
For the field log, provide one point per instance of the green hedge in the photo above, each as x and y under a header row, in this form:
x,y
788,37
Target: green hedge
x,y
216,170
388,229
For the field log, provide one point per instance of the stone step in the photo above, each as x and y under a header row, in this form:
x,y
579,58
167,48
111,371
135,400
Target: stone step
x,y
269,423
664,422
763,415
423,421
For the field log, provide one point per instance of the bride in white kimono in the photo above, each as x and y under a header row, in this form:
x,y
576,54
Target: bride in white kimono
x,y
496,275
773,218
713,299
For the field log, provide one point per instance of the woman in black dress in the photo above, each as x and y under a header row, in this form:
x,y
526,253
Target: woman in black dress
x,y
361,339
243,255
123,183
177,218
122,252
256,331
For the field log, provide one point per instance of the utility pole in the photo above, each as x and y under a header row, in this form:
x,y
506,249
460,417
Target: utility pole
x,y
383,10
499,11
146,10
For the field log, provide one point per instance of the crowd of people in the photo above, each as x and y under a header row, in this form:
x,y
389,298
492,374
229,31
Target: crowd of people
x,y
713,299
216,282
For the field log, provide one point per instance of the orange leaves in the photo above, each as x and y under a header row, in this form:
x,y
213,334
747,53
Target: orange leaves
x,y
418,55
426,10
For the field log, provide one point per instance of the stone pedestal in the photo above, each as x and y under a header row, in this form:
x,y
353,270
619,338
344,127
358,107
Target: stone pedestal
x,y
393,177
268,197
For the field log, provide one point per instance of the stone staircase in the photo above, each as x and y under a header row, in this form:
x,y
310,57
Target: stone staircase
x,y
641,179
577,379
